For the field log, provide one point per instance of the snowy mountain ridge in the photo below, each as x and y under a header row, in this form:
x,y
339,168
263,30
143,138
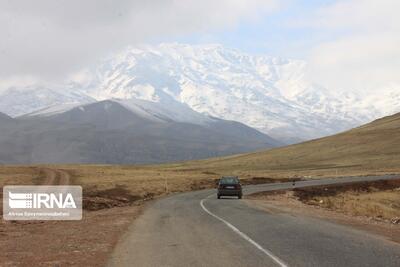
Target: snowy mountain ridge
x,y
268,93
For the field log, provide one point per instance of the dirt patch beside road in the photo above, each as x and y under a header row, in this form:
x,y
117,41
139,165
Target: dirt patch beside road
x,y
88,242
118,196
107,214
65,243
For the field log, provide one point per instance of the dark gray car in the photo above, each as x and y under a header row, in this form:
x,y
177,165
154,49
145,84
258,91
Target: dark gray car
x,y
229,186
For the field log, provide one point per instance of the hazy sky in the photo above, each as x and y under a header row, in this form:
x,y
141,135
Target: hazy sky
x,y
349,44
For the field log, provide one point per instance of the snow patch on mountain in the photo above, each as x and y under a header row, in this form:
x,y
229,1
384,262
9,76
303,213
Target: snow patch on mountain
x,y
23,100
172,111
52,110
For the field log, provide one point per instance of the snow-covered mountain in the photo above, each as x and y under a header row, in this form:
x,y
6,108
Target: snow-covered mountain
x,y
268,93
16,101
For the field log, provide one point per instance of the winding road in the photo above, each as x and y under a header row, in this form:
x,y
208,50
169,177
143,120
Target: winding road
x,y
196,229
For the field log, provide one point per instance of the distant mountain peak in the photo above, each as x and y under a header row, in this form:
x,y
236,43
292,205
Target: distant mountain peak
x,y
271,94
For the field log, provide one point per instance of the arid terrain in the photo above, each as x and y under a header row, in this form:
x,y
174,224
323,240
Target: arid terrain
x,y
377,200
114,194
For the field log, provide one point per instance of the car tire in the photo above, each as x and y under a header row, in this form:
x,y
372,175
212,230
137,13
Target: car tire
x,y
218,196
239,196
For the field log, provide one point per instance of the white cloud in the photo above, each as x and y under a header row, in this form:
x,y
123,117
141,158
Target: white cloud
x,y
48,39
363,49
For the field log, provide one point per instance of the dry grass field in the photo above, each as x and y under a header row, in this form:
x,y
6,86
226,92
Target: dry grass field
x,y
378,200
371,149
379,205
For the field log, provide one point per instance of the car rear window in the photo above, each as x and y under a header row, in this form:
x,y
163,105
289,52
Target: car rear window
x,y
229,180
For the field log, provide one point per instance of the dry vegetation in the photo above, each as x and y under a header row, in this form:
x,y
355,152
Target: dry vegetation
x,y
371,149
378,200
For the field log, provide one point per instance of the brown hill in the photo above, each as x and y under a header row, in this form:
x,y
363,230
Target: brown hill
x,y
368,149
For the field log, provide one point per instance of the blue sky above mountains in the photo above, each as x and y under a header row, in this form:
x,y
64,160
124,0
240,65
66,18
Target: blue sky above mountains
x,y
276,33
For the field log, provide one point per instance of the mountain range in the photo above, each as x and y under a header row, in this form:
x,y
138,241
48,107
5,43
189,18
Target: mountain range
x,y
270,94
122,132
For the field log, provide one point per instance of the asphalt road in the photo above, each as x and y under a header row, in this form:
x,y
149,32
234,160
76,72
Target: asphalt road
x,y
196,229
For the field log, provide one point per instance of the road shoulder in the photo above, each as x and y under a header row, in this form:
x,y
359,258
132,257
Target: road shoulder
x,y
286,202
